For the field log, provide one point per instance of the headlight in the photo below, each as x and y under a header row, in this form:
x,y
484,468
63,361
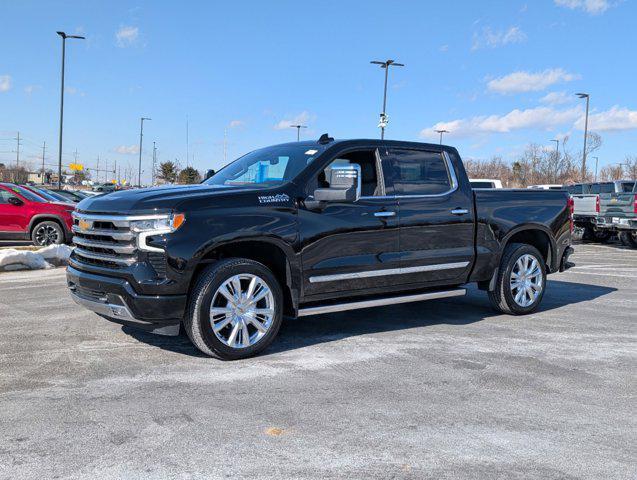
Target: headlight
x,y
160,224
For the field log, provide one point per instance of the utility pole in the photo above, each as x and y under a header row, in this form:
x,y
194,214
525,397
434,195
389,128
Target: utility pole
x,y
298,131
17,151
64,37
43,151
383,116
153,173
141,136
106,170
587,97
441,132
97,170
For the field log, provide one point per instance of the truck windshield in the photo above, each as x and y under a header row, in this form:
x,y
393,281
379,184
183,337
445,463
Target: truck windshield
x,y
267,167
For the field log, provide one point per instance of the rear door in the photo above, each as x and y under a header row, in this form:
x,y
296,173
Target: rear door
x,y
436,216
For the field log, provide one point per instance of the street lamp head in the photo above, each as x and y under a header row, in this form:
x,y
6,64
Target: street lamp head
x,y
441,131
582,95
146,118
76,36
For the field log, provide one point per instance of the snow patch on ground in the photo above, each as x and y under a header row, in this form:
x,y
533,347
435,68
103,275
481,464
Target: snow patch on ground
x,y
47,257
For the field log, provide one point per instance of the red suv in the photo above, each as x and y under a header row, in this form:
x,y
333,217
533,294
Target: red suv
x,y
25,215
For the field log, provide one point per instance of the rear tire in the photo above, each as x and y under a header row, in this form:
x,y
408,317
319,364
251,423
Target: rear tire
x,y
47,233
520,280
235,309
629,238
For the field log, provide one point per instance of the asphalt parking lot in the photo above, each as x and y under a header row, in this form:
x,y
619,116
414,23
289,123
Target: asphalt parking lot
x,y
443,389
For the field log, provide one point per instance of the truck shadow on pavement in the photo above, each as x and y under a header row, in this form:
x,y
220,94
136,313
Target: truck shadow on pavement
x,y
307,331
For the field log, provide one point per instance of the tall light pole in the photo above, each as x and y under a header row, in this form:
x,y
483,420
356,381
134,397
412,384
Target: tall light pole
x,y
383,116
141,136
64,37
587,97
596,160
441,132
298,131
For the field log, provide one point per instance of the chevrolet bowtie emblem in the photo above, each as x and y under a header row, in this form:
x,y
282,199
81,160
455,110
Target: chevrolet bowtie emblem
x,y
84,225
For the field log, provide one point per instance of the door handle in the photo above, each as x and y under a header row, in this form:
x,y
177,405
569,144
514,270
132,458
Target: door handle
x,y
459,211
385,214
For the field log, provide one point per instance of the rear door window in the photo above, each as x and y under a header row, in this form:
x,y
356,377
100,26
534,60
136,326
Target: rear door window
x,y
417,172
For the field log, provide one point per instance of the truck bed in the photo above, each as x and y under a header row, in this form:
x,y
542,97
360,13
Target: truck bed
x,y
502,213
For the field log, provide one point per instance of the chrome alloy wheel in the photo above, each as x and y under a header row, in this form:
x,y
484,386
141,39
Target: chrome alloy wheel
x,y
46,235
526,280
242,310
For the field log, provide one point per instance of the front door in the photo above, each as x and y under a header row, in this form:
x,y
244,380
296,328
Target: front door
x,y
436,216
12,217
349,246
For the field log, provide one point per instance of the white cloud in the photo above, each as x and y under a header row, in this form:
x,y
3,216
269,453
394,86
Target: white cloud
x,y
592,7
529,82
29,89
557,98
444,48
300,119
236,123
615,119
490,39
126,36
538,117
5,83
127,149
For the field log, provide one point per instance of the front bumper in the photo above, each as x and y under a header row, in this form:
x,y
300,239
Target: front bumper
x,y
115,299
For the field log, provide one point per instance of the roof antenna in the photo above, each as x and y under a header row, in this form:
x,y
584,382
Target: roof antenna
x,y
325,138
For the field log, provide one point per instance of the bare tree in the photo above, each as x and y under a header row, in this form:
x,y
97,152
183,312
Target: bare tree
x,y
495,168
611,172
630,166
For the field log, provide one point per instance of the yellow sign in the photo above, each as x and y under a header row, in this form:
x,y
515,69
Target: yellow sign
x,y
76,167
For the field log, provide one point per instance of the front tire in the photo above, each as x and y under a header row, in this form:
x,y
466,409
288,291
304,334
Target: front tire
x,y
235,309
629,238
520,281
47,233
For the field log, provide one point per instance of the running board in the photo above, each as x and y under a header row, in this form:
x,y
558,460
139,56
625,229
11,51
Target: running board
x,y
379,302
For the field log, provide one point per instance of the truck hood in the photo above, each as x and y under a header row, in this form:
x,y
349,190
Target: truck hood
x,y
149,200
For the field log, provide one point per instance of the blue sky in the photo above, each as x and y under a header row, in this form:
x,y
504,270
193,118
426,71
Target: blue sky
x,y
497,74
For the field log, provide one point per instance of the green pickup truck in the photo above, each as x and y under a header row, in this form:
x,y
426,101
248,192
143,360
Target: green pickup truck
x,y
618,212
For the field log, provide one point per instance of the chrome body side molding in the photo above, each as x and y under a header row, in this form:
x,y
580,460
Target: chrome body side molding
x,y
389,271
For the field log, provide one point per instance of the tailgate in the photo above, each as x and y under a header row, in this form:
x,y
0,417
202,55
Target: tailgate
x,y
617,204
585,204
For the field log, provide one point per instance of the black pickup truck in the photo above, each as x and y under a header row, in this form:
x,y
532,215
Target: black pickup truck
x,y
311,228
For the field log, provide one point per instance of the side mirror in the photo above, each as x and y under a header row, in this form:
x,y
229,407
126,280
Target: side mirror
x,y
209,173
345,184
15,201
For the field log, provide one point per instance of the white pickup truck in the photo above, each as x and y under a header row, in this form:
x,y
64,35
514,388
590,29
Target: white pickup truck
x,y
587,207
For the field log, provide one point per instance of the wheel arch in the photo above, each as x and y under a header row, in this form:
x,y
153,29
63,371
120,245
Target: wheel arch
x,y
47,217
273,253
537,236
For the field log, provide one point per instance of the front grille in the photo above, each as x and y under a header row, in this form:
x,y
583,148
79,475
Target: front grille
x,y
105,241
89,293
